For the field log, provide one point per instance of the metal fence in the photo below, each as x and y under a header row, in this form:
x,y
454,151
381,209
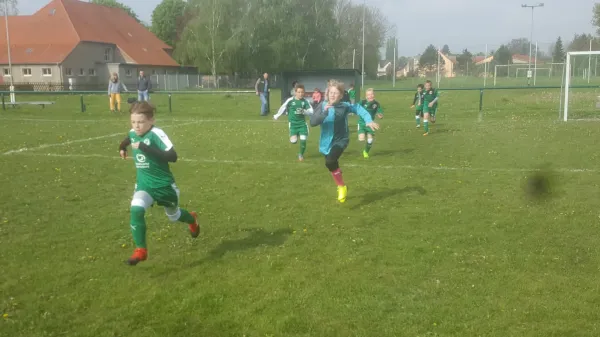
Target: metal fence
x,y
177,82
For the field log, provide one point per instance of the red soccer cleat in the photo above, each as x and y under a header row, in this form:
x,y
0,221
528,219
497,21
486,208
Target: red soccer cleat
x,y
139,255
194,227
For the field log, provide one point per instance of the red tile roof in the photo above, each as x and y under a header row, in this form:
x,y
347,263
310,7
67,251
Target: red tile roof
x,y
49,35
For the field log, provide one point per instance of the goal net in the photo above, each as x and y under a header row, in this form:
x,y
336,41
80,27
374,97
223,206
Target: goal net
x,y
580,89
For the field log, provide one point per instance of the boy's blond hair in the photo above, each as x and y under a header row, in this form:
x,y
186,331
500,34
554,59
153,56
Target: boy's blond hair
x,y
143,108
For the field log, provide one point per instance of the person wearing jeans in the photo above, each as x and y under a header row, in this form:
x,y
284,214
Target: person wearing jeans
x,y
262,88
143,86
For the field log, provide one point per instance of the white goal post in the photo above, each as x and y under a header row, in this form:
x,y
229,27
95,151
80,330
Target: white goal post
x,y
567,81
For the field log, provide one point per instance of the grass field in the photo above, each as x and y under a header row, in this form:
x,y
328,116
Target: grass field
x,y
437,237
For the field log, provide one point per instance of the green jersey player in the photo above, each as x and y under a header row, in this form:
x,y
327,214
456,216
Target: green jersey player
x,y
298,108
430,103
352,94
152,153
418,104
374,109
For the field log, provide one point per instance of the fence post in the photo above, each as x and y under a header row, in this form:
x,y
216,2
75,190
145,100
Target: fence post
x,y
170,107
81,102
3,106
480,100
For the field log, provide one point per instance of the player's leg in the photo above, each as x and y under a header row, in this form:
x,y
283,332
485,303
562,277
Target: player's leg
x,y
333,165
432,112
303,134
168,197
361,130
111,102
426,119
418,114
118,96
369,144
139,204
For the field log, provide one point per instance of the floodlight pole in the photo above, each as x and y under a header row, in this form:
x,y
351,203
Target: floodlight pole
x,y
362,74
12,87
541,4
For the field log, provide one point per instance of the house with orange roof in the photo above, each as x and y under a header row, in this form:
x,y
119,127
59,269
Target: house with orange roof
x,y
84,42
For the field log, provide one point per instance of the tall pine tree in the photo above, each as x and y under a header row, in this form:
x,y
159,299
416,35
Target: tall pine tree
x,y
558,55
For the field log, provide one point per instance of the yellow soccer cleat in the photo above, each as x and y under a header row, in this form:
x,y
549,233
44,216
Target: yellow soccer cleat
x,y
365,154
342,193
426,133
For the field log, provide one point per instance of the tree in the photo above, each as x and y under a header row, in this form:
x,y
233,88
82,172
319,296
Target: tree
x,y
12,7
446,50
519,46
558,55
502,56
402,62
465,61
116,4
429,59
389,48
596,17
166,19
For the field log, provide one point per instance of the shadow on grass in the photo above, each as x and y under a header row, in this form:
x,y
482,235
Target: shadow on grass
x,y
380,195
384,153
258,237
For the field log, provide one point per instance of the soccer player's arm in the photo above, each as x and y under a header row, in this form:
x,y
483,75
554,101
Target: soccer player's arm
x,y
415,99
362,112
282,108
379,110
165,150
319,114
436,95
123,147
308,110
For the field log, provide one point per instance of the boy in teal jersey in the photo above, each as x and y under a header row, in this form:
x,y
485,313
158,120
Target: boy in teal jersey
x,y
298,108
430,102
374,109
418,103
332,116
152,153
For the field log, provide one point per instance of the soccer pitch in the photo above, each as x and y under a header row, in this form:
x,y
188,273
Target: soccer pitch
x,y
437,237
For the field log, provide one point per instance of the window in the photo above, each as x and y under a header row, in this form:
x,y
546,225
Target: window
x,y
128,72
26,71
92,72
107,55
68,71
6,71
81,72
46,72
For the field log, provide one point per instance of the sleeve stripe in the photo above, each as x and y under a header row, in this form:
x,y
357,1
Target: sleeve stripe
x,y
163,137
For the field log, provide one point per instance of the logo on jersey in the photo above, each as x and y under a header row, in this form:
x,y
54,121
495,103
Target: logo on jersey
x,y
430,92
140,161
374,106
147,141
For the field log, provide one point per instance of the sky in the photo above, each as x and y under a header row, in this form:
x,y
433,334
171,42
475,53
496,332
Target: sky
x,y
460,24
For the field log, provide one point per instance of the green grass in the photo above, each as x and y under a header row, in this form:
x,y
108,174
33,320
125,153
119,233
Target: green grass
x,y
437,237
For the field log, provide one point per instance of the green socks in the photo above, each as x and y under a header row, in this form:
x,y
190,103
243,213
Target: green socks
x,y
186,217
138,226
368,145
302,147
426,125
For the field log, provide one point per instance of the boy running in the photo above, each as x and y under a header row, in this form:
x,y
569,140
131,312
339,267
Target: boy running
x,y
430,100
418,103
152,153
297,107
332,115
374,109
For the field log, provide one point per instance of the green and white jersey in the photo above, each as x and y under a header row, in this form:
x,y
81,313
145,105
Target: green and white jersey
x,y
151,171
297,110
429,96
373,108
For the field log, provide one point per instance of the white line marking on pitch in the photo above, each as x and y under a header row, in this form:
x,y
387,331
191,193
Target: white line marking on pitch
x,y
276,163
43,146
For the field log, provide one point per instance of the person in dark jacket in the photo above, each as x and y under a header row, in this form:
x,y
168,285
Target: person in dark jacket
x,y
262,88
144,85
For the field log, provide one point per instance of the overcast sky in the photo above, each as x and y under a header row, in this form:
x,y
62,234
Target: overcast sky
x,y
459,23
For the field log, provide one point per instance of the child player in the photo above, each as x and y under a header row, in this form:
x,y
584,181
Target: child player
x,y
332,115
297,107
430,100
352,94
152,153
418,103
374,109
